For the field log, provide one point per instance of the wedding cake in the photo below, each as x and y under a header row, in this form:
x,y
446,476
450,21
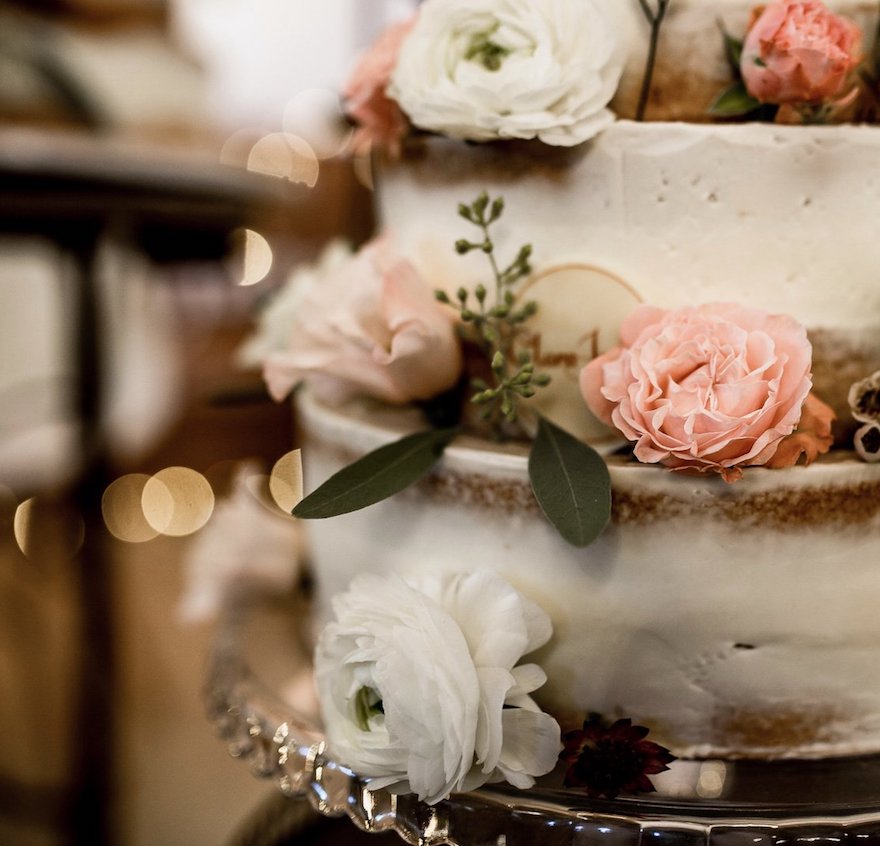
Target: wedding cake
x,y
602,396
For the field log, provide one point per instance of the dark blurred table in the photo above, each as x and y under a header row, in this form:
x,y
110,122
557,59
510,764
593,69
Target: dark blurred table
x,y
80,192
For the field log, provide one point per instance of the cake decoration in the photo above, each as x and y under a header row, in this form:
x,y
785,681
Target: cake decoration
x,y
493,328
341,357
422,689
795,65
607,760
764,656
580,309
864,400
370,326
715,387
655,19
378,118
495,69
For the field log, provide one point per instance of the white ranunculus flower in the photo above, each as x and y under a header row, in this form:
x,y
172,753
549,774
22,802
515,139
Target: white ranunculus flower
x,y
420,688
488,69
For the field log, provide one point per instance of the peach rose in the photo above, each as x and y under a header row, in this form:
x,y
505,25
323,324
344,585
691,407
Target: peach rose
x,y
798,51
379,119
370,327
713,387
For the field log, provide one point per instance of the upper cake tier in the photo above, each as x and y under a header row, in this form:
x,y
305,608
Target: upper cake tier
x,y
671,214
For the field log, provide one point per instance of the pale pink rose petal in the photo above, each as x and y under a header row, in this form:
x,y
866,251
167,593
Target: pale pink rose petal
x,y
811,439
379,119
713,388
371,327
593,387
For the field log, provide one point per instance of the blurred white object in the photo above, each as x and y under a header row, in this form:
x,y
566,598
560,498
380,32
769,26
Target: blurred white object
x,y
245,543
39,431
132,78
258,54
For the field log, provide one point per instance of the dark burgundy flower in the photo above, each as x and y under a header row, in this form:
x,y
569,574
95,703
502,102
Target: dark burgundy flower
x,y
608,760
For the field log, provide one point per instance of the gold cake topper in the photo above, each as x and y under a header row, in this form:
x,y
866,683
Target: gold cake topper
x,y
580,309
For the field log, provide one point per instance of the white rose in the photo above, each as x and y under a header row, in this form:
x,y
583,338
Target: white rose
x,y
419,686
372,327
487,69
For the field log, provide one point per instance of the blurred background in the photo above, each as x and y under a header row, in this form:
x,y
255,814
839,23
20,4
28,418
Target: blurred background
x,y
164,165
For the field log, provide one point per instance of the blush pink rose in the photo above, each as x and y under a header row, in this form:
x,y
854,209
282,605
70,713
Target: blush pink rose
x,y
798,51
714,387
370,327
379,119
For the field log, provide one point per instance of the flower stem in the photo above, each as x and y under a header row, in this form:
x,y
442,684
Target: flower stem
x,y
656,21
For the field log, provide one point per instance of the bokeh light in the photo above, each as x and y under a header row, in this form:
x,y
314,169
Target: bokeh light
x,y
44,531
316,116
237,147
177,501
287,156
256,256
286,481
710,784
123,511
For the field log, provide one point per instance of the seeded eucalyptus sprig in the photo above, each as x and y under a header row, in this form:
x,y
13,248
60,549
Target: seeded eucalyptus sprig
x,y
569,479
494,326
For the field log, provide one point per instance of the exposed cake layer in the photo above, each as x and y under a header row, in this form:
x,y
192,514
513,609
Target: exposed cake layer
x,y
776,217
692,68
732,619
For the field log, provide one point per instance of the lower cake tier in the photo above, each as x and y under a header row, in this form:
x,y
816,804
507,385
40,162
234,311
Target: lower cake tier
x,y
733,620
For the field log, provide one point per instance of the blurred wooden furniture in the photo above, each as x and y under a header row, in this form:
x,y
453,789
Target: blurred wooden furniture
x,y
81,192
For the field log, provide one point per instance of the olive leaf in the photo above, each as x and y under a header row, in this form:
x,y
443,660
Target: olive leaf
x,y
571,483
378,475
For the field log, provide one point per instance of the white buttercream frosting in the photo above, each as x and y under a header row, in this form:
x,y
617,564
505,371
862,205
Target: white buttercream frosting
x,y
726,631
775,217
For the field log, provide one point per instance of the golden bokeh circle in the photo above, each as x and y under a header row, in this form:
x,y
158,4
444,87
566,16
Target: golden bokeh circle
x,y
123,511
287,156
177,501
255,254
317,115
45,531
286,481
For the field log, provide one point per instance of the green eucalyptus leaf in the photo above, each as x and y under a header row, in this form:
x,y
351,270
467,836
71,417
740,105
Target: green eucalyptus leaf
x,y
571,484
733,48
378,475
734,102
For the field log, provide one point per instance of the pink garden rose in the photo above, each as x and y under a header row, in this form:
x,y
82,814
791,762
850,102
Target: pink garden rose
x,y
379,119
714,388
370,327
798,51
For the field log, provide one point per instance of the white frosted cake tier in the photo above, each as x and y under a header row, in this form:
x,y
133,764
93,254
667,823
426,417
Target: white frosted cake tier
x,y
775,217
735,620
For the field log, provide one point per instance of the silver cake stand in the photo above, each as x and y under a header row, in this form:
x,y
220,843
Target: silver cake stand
x,y
258,699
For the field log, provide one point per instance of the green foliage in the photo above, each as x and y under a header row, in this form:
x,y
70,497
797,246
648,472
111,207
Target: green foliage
x,y
734,102
569,479
571,483
493,325
378,475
